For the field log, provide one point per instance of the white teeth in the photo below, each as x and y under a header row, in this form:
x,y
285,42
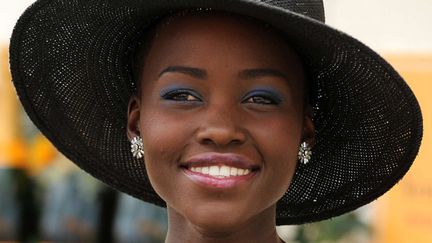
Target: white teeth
x,y
214,171
205,170
224,171
233,171
220,171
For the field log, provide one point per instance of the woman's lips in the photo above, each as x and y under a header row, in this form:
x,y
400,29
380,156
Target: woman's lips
x,y
219,170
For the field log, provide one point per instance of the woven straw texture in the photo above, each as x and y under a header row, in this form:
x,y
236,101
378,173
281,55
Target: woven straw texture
x,y
70,66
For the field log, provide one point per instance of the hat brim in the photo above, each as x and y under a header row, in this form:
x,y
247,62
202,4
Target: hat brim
x,y
70,67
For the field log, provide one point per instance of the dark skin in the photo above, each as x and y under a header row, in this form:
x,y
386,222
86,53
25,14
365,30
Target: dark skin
x,y
227,85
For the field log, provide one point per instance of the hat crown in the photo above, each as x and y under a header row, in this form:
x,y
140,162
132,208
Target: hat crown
x,y
311,8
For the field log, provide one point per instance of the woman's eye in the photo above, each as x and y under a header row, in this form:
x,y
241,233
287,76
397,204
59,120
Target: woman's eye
x,y
263,97
181,95
261,100
184,97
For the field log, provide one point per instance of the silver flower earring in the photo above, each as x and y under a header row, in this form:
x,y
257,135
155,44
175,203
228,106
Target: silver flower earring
x,y
137,147
305,153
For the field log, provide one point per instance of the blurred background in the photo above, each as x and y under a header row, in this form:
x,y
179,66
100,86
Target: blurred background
x,y
44,197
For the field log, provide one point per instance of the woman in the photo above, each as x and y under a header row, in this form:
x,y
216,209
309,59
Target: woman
x,y
222,103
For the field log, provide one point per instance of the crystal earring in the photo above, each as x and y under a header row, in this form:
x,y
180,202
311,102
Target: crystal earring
x,y
305,153
137,147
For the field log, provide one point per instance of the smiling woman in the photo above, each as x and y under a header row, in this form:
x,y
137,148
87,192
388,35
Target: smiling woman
x,y
202,124
241,116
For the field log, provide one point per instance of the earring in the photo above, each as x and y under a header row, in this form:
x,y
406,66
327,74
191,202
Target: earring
x,y
137,147
305,153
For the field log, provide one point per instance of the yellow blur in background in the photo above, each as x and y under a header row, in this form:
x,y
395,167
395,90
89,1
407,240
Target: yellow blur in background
x,y
405,213
12,149
15,152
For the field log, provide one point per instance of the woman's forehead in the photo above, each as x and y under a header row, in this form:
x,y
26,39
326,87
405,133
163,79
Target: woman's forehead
x,y
182,33
214,21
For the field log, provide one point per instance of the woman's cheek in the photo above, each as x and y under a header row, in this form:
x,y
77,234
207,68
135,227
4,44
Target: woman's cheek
x,y
162,151
279,146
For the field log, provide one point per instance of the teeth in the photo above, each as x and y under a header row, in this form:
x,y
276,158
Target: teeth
x,y
224,171
205,170
233,171
220,171
214,171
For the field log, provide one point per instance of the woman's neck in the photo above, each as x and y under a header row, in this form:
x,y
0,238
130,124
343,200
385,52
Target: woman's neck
x,y
261,228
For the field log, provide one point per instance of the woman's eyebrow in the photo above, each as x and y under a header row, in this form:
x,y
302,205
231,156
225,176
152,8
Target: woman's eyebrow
x,y
261,72
191,71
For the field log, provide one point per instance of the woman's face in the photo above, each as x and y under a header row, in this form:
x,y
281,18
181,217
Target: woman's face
x,y
221,115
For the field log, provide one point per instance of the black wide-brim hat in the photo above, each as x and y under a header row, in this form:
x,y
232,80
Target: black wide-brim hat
x,y
70,63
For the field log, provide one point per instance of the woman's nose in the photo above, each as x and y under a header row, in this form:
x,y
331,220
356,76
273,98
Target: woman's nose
x,y
221,127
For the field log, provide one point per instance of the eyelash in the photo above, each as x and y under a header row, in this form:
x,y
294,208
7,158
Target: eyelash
x,y
182,95
261,98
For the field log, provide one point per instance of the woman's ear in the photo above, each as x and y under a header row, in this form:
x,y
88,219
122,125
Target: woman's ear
x,y
308,127
134,108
